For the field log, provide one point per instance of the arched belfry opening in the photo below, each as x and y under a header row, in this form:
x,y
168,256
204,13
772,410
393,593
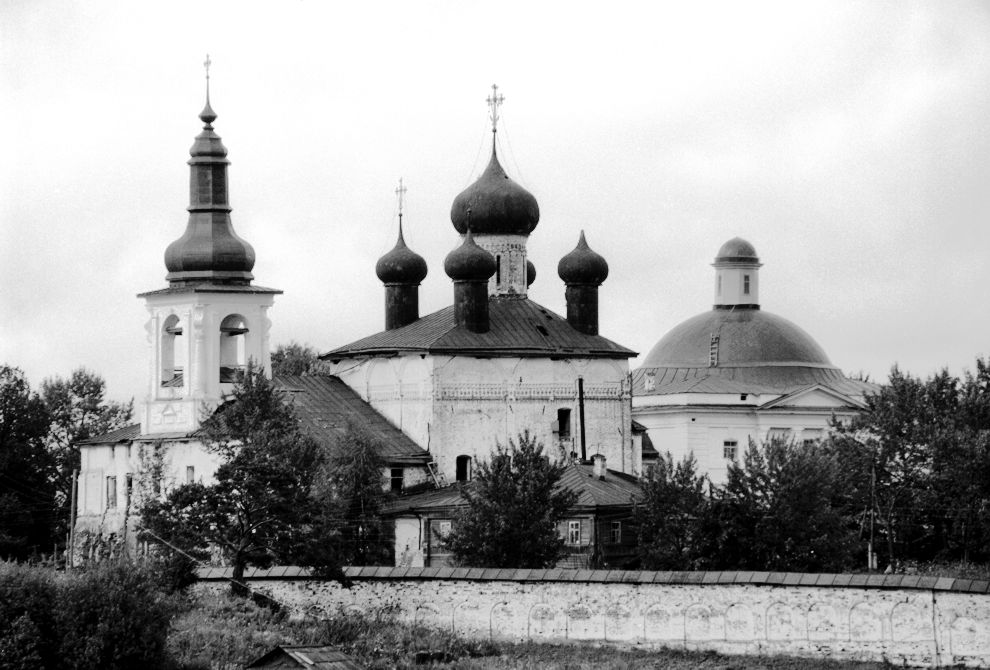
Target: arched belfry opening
x,y
233,348
173,353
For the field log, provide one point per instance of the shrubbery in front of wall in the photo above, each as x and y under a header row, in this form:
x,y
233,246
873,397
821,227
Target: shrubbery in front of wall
x,y
111,616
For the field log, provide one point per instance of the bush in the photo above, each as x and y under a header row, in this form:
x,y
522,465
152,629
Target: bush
x,y
111,616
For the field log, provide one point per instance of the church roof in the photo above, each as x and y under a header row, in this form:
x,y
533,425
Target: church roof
x,y
327,407
519,327
617,489
731,380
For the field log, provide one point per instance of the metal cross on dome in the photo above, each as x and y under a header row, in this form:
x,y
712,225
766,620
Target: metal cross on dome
x,y
206,65
401,191
494,102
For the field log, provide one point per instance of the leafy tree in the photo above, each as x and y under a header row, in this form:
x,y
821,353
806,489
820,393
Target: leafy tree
x,y
671,515
261,508
294,359
28,509
78,410
356,496
785,508
513,506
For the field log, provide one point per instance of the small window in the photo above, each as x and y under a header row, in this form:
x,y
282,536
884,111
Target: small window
x,y
730,450
444,528
718,284
746,284
564,422
397,479
463,469
573,532
190,474
498,269
111,492
615,532
129,488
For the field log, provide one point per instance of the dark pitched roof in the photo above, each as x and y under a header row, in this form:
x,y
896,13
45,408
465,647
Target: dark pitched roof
x,y
326,406
318,658
123,434
519,327
617,489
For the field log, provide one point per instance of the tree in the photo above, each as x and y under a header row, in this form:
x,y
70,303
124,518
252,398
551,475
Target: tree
x,y
512,509
261,508
356,496
78,410
785,508
671,515
28,508
294,359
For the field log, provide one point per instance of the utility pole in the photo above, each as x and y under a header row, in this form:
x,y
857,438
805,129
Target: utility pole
x,y
70,550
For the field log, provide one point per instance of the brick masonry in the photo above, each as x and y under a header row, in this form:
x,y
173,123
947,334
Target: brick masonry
x,y
905,619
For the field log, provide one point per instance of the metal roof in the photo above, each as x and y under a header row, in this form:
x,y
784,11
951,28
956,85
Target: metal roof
x,y
731,380
327,407
617,489
519,327
122,434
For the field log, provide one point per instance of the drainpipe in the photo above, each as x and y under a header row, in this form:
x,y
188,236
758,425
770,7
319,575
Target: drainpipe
x,y
584,453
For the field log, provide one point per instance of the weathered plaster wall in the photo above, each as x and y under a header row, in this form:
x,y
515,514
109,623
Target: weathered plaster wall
x,y
907,620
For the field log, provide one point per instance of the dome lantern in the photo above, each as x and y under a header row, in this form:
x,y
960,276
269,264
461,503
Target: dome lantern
x,y
737,276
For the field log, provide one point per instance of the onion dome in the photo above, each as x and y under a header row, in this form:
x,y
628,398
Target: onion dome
x,y
401,265
497,205
582,265
530,273
737,250
469,262
209,250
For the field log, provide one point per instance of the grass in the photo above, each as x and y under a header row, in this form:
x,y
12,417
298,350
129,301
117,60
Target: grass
x,y
223,633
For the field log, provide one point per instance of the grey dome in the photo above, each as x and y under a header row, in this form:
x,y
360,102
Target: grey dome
x,y
737,250
747,338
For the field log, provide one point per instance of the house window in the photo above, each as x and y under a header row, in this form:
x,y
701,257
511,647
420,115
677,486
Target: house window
x,y
190,474
498,269
564,423
129,488
779,435
463,473
615,532
111,492
397,479
573,532
730,450
444,528
811,436
746,284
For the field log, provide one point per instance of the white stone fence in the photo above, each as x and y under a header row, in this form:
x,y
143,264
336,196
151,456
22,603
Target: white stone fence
x,y
912,620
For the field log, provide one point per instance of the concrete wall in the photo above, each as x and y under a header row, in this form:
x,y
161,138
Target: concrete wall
x,y
909,620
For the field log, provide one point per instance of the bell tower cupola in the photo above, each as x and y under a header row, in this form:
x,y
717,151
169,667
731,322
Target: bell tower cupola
x,y
211,322
737,276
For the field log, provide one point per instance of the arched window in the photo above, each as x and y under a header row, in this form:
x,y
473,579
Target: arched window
x,y
173,352
463,469
233,352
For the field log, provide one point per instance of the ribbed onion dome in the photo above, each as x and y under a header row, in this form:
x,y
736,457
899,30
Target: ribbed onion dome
x,y
497,205
582,266
401,265
209,249
469,262
737,250
530,272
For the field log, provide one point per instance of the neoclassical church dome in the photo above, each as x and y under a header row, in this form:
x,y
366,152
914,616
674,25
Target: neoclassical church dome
x,y
736,343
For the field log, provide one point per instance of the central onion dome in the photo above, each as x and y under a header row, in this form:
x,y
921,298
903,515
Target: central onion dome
x,y
209,249
582,265
469,262
401,265
497,205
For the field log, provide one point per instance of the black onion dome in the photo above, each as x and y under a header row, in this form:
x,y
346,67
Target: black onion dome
x,y
469,262
530,272
497,205
401,265
582,265
209,249
737,250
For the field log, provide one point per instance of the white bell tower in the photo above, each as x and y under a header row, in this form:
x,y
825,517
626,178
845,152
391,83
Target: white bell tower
x,y
210,321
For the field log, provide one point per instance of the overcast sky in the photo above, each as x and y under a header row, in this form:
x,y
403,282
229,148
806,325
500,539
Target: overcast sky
x,y
846,140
